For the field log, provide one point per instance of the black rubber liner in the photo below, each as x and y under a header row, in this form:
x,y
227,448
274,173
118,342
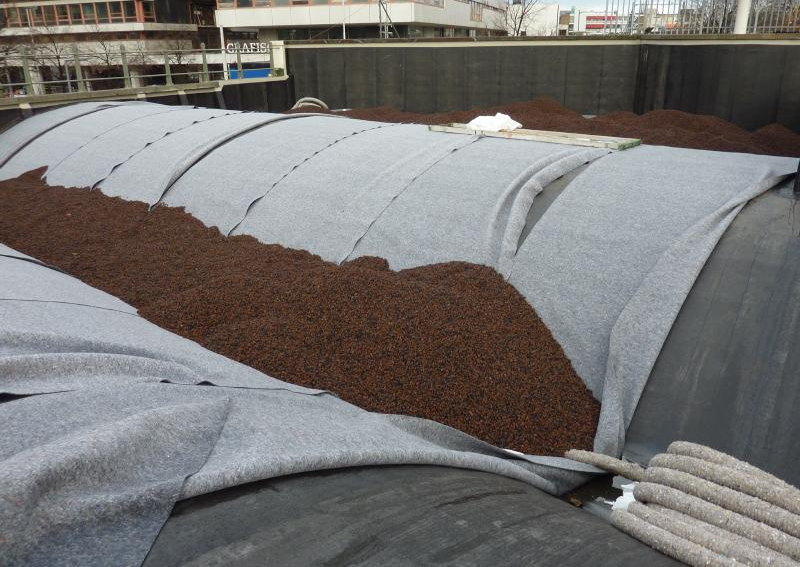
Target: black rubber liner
x,y
406,515
728,375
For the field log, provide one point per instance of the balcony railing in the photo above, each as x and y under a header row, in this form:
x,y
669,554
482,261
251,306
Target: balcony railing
x,y
117,67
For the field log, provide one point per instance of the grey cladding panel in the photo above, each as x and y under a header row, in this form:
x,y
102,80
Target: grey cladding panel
x,y
389,77
582,81
483,72
450,85
420,80
359,78
330,68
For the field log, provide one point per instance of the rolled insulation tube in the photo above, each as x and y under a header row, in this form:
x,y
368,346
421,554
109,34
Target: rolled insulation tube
x,y
310,101
688,449
712,514
718,540
630,471
744,504
745,482
667,543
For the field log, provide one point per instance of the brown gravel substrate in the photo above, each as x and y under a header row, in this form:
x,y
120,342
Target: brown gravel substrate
x,y
659,127
450,342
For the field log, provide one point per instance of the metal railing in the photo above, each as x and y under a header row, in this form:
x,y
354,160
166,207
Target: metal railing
x,y
111,67
687,17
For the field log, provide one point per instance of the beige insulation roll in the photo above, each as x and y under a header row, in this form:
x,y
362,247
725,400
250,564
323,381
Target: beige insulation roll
x,y
785,497
667,543
744,504
711,537
712,514
689,449
630,471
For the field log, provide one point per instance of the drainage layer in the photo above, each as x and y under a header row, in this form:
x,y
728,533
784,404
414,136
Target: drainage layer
x,y
450,342
659,127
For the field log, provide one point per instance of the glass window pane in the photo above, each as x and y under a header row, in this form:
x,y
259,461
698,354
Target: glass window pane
x,y
75,13
149,11
62,13
88,13
102,12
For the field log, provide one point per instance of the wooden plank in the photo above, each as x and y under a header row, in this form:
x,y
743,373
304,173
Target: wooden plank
x,y
570,138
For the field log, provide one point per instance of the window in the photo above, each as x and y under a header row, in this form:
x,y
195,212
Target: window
x,y
36,16
49,15
115,11
130,11
149,11
62,15
101,8
476,11
13,17
75,14
88,13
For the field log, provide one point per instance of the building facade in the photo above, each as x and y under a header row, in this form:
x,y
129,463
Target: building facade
x,y
48,33
268,20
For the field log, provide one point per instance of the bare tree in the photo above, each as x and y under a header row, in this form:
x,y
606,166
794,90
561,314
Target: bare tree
x,y
9,58
103,51
518,16
47,50
177,50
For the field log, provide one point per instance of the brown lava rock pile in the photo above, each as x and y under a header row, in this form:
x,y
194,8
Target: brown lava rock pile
x,y
659,127
450,342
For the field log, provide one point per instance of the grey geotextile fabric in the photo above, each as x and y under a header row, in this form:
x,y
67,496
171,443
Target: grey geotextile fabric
x,y
610,263
31,281
329,202
148,174
338,187
95,161
28,130
51,147
253,164
470,206
130,418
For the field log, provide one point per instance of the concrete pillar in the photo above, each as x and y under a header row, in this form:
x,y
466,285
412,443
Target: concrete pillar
x,y
136,80
742,16
277,56
36,79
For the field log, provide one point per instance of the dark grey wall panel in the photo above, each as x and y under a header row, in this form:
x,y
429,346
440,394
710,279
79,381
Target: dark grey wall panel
x,y
331,68
390,76
582,84
515,72
548,72
483,75
618,78
451,82
741,83
304,71
359,70
749,84
420,83
788,112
